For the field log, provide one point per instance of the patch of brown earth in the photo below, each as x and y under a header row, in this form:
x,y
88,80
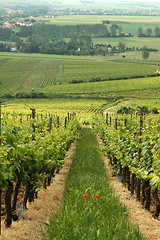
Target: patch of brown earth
x,y
30,224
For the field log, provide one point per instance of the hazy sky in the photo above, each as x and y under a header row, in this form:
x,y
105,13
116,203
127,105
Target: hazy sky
x,y
78,1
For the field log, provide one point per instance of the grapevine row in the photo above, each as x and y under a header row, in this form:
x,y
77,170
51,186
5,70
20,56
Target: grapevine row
x,y
133,148
30,152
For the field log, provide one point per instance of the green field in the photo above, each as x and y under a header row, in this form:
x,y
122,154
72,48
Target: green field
x,y
129,24
94,19
137,87
130,42
22,73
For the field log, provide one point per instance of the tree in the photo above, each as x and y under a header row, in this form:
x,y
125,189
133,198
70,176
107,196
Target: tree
x,y
140,32
156,30
148,32
106,22
113,30
144,48
121,46
120,31
145,54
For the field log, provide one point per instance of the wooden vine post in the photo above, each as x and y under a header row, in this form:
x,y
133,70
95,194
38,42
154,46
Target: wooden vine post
x,y
107,118
65,123
57,122
8,193
50,124
116,123
157,202
148,195
33,126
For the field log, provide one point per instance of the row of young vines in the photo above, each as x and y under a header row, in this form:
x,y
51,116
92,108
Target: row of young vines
x,y
133,147
31,150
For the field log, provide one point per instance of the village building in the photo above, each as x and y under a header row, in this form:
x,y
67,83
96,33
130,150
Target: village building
x,y
13,47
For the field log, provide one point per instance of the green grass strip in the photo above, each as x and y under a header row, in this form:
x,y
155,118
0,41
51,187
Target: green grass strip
x,y
102,218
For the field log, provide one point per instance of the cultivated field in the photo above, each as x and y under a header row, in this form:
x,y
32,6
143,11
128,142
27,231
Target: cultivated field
x,y
22,73
136,87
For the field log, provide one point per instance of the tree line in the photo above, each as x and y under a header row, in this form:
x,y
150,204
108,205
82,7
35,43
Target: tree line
x,y
52,31
94,30
149,32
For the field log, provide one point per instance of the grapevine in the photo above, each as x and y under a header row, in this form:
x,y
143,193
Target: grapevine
x,y
25,161
134,155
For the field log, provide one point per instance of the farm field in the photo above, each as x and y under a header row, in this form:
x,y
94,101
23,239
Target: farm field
x,y
22,73
129,24
95,19
130,42
136,87
103,70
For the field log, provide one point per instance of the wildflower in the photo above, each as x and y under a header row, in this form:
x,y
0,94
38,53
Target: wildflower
x,y
96,196
85,196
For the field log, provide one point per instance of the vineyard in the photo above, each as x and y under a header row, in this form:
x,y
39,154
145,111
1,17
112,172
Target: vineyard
x,y
24,73
89,71
132,146
33,149
131,88
84,108
90,209
80,134
54,72
34,146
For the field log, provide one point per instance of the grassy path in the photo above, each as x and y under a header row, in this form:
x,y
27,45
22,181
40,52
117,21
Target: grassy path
x,y
82,217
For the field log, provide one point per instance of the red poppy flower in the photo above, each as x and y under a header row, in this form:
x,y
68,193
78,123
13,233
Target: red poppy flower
x,y
96,196
85,196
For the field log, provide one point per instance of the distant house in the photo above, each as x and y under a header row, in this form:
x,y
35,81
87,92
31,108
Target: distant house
x,y
13,47
13,26
78,50
29,43
25,24
102,47
97,47
7,25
